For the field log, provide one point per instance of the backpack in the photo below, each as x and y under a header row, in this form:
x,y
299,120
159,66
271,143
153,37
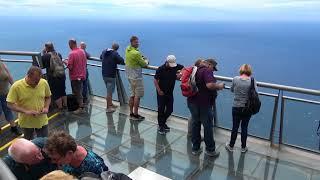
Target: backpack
x,y
56,65
188,84
253,104
72,102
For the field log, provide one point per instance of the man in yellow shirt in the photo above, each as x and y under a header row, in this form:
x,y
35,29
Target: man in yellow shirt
x,y
31,97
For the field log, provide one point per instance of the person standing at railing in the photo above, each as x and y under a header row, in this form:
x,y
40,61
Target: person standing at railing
x,y
77,63
134,64
86,81
110,59
31,97
5,81
56,76
164,81
200,106
240,87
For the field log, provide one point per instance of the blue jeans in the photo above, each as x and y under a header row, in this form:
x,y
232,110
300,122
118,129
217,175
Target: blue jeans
x,y
202,115
238,116
5,109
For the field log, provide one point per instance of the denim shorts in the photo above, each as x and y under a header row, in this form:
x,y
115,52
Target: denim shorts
x,y
110,85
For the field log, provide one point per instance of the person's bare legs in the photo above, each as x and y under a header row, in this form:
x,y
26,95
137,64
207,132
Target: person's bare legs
x,y
109,101
131,102
136,104
59,103
64,101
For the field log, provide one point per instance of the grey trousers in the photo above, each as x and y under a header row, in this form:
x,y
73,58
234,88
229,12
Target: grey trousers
x,y
40,132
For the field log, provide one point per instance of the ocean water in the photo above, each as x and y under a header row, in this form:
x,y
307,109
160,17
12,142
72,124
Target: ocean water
x,y
280,52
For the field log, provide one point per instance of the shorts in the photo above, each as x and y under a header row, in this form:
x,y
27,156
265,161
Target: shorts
x,y
57,87
136,87
110,85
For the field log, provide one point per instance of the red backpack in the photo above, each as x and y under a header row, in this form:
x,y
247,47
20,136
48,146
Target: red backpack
x,y
188,84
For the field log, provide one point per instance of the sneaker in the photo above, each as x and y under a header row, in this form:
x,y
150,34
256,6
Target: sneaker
x,y
16,130
110,110
212,153
228,147
161,131
137,117
244,150
166,128
114,106
197,152
79,111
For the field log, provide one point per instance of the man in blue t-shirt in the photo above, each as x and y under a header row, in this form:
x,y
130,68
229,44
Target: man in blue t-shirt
x,y
27,160
164,81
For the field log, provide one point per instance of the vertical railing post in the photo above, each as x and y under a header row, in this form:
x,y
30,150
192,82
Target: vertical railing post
x,y
122,95
37,60
215,115
281,120
274,119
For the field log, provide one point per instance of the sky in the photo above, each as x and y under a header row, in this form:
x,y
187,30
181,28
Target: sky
x,y
189,10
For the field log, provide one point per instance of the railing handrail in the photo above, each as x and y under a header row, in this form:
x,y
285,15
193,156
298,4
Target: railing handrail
x,y
122,97
221,78
20,53
259,84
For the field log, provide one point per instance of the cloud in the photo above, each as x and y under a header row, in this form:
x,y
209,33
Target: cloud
x,y
153,9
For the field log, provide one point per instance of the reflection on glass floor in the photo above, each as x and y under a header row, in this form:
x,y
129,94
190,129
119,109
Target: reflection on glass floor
x,y
126,145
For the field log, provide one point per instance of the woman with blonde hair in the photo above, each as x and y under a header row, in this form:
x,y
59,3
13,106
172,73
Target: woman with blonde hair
x,y
240,87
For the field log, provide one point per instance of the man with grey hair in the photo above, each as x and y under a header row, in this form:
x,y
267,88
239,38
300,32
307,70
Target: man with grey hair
x,y
31,97
83,46
110,60
27,160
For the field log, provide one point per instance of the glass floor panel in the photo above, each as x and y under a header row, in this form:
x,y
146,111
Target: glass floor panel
x,y
125,145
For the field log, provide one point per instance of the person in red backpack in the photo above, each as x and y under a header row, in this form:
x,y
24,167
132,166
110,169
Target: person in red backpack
x,y
200,106
198,63
164,81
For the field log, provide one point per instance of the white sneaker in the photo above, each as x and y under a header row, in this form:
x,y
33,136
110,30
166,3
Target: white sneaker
x,y
110,110
79,111
228,147
244,150
114,106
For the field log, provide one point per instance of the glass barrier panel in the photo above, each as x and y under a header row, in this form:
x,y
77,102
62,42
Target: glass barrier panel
x,y
97,83
260,124
300,124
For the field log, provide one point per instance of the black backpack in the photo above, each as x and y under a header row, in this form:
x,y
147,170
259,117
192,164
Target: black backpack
x,y
72,102
253,104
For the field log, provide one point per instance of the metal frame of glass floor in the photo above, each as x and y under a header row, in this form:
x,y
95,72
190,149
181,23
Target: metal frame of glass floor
x,y
125,145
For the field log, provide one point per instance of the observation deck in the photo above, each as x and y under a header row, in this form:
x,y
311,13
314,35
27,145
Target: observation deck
x,y
274,150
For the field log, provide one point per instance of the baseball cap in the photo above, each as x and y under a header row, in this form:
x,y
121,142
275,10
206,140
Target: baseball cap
x,y
171,60
213,63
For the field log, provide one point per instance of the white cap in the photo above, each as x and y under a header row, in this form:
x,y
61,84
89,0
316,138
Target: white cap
x,y
171,60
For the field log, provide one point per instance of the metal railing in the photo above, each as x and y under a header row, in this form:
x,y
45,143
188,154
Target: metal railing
x,y
278,98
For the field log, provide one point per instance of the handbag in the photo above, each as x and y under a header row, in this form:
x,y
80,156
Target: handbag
x,y
253,104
